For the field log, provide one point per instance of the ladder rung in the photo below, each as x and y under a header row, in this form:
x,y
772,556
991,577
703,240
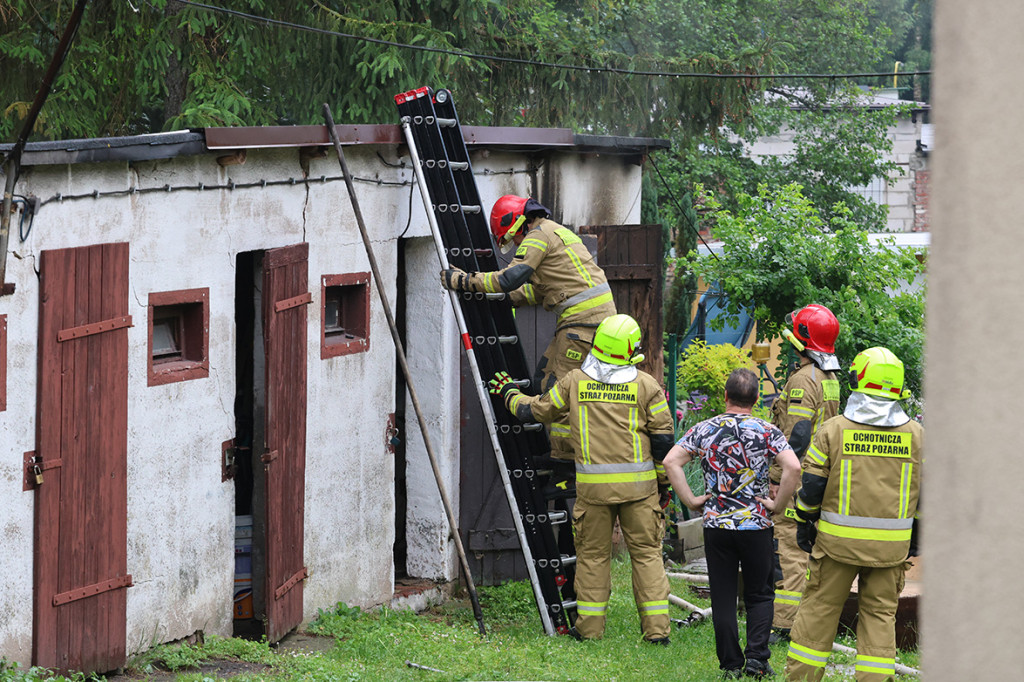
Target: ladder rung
x,y
522,383
510,428
569,604
500,296
483,253
473,208
568,560
558,516
465,251
533,427
459,165
529,473
508,339
446,122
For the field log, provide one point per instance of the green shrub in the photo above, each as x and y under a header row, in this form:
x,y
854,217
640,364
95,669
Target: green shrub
x,y
702,372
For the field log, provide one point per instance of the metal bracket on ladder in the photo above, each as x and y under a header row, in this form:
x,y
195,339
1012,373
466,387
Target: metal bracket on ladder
x,y
491,340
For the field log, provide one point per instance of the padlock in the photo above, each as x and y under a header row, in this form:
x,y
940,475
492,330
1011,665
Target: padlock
x,y
38,473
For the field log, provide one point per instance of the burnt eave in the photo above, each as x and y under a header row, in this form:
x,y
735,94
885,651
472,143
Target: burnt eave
x,y
194,142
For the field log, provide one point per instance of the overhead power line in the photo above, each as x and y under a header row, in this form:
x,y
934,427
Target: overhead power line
x,y
551,65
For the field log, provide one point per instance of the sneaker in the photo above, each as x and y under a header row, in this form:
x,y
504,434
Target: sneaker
x,y
732,674
778,635
759,669
663,641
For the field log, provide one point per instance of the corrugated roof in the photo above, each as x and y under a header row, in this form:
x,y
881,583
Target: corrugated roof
x,y
192,142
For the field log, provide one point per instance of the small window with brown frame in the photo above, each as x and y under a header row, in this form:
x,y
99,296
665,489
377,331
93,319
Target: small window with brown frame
x,y
345,317
179,335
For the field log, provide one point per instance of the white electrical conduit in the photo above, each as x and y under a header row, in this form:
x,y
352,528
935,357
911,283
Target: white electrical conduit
x,y
692,577
682,603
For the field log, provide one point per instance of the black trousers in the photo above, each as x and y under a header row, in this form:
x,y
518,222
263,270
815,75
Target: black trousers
x,y
727,551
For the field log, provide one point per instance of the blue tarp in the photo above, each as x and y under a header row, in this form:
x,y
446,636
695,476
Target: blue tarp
x,y
711,306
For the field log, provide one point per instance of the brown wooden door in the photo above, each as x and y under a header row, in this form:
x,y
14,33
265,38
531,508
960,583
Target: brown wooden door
x,y
285,317
81,508
632,257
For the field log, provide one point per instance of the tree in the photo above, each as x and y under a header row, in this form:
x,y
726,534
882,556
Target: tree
x,y
838,145
162,64
779,254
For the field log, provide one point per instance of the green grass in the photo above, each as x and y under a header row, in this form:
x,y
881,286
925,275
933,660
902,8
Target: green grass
x,y
376,645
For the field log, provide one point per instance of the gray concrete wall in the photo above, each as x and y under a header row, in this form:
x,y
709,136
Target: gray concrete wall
x,y
972,596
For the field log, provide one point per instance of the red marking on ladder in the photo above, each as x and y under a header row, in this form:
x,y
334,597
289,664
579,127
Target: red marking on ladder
x,y
466,342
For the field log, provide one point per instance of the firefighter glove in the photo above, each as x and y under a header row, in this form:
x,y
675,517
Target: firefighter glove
x,y
806,534
454,279
501,385
664,496
913,551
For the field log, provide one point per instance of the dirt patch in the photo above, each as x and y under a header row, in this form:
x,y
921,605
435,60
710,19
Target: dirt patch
x,y
303,641
227,668
217,669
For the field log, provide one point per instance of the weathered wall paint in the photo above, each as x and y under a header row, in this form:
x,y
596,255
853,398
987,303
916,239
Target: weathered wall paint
x,y
433,350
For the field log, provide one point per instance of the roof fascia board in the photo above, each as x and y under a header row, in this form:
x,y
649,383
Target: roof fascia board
x,y
189,143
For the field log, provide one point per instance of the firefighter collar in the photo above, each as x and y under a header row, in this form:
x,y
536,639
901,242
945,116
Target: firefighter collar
x,y
827,362
874,411
607,373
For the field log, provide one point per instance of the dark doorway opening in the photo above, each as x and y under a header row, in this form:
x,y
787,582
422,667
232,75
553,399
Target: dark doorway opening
x,y
250,405
398,438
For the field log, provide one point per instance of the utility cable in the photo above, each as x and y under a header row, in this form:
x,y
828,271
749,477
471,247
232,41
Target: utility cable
x,y
679,206
530,62
203,187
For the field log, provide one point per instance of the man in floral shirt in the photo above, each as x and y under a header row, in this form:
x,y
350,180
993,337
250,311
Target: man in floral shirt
x,y
735,450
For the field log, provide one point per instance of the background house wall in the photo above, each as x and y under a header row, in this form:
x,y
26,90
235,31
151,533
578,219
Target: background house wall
x,y
901,195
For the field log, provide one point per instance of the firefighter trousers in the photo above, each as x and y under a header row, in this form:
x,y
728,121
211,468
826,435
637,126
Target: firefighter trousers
x,y
566,352
793,563
643,527
826,591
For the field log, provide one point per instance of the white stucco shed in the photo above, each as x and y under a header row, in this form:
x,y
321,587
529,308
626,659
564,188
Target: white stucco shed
x,y
203,214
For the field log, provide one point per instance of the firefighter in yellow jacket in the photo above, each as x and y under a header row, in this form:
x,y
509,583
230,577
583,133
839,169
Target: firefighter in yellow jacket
x,y
861,482
553,268
621,430
810,397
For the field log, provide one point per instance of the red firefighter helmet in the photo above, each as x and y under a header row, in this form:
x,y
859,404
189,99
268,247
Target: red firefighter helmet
x,y
508,213
815,327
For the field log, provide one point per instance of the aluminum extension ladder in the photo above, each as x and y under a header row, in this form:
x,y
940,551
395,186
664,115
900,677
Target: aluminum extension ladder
x,y
489,335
